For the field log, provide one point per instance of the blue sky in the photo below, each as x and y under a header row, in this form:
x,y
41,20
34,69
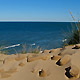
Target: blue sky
x,y
39,10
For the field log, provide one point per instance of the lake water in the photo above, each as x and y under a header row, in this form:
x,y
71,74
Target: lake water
x,y
46,35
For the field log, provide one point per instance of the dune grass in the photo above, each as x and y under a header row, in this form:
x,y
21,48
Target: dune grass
x,y
3,51
74,36
23,51
35,50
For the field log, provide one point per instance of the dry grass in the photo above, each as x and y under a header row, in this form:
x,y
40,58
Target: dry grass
x,y
30,49
2,51
34,50
74,36
24,47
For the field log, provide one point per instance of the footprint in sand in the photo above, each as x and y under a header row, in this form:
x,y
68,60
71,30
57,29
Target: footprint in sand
x,y
72,72
63,61
55,57
42,73
21,64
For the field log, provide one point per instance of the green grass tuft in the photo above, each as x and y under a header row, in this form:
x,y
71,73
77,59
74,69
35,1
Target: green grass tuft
x,y
74,36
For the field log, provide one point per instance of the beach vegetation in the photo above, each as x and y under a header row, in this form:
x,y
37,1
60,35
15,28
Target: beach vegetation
x,y
35,50
24,49
3,51
73,37
30,49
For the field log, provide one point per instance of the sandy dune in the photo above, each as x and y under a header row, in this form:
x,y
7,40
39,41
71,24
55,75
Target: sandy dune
x,y
54,64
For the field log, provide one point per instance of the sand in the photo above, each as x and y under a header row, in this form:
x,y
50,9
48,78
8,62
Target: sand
x,y
54,64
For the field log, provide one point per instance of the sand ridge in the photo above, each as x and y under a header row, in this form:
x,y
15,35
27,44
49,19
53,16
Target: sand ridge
x,y
54,64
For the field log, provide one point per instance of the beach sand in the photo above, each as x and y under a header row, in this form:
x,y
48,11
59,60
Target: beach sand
x,y
54,64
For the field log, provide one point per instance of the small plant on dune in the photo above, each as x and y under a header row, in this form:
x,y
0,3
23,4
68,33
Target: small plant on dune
x,y
74,37
2,51
34,50
23,51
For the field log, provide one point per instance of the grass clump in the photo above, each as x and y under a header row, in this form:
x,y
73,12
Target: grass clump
x,y
23,51
74,36
34,50
2,51
30,49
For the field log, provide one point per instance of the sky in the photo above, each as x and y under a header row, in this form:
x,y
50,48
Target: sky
x,y
39,10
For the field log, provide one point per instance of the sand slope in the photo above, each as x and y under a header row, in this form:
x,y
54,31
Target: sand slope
x,y
56,64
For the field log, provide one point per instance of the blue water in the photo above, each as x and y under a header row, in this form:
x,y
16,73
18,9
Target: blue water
x,y
46,35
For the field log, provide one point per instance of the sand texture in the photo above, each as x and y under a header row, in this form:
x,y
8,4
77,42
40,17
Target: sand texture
x,y
54,64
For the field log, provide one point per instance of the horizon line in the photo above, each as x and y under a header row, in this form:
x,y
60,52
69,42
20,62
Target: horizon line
x,y
31,21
